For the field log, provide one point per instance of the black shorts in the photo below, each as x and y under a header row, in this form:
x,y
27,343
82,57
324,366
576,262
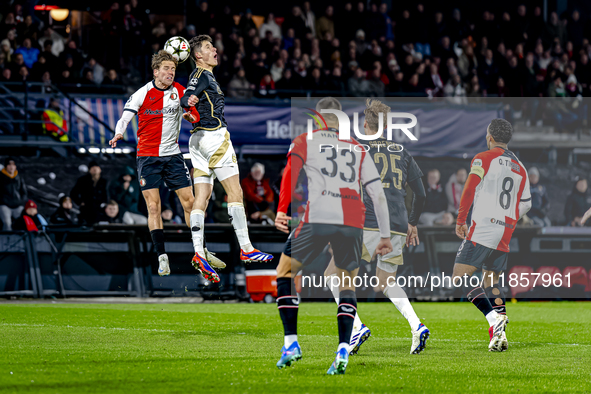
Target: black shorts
x,y
307,241
476,255
170,169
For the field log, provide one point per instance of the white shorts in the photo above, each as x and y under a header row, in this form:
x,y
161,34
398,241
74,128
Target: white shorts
x,y
212,155
389,262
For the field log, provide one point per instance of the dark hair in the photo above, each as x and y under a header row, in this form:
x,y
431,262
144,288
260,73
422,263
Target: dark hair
x,y
8,160
197,42
501,130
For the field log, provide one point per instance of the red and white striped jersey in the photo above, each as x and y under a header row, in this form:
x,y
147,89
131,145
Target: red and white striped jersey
x,y
336,170
160,115
495,211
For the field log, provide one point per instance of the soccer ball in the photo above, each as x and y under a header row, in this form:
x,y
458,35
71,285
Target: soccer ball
x,y
178,47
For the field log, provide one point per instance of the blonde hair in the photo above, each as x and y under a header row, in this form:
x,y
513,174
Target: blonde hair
x,y
373,111
162,56
329,103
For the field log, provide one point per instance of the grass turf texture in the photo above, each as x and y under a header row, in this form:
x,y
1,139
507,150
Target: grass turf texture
x,y
233,348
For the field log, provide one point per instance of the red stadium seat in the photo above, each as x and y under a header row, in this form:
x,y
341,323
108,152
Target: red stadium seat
x,y
578,276
588,288
520,269
547,269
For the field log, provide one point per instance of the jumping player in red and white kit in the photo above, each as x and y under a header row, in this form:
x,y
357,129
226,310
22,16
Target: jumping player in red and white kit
x,y
335,214
498,191
159,157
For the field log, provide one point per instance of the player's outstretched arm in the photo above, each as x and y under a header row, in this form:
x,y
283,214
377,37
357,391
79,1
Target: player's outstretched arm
x,y
375,190
465,204
418,203
286,190
121,127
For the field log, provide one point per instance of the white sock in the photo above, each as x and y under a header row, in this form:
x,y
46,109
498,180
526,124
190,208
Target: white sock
x,y
289,339
197,224
343,345
398,296
335,293
238,219
492,318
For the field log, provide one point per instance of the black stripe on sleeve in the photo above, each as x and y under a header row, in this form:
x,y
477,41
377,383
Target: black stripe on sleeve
x,y
373,180
130,110
301,158
526,200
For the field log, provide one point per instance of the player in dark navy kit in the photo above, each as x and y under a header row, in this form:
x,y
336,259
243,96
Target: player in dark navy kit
x,y
212,154
397,168
159,157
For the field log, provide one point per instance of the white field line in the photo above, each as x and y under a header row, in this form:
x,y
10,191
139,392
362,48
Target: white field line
x,y
303,335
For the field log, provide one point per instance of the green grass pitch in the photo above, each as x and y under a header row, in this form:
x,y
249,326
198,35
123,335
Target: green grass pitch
x,y
233,348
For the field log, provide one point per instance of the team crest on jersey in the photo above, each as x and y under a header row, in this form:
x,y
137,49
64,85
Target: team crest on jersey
x,y
173,96
142,182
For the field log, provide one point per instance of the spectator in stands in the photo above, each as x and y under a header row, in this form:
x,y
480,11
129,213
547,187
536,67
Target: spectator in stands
x,y
55,123
13,193
113,83
454,188
376,86
357,84
239,87
125,190
267,87
467,62
29,53
454,87
64,215
17,62
270,26
290,82
89,193
111,214
540,202
168,216
6,75
258,195
3,62
309,18
98,72
577,203
57,41
30,219
325,24
435,212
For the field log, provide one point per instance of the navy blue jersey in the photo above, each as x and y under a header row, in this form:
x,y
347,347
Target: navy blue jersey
x,y
396,168
211,103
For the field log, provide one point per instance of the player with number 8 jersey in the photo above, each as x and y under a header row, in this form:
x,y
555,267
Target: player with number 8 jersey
x,y
497,190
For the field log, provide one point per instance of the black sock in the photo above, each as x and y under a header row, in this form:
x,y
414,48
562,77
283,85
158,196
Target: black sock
x,y
478,297
496,296
287,303
346,314
158,240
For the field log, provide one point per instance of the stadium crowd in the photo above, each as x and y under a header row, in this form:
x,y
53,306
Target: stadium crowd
x,y
346,48
95,199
